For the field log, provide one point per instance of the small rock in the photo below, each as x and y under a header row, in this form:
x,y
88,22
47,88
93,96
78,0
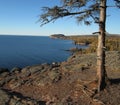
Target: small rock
x,y
55,64
16,70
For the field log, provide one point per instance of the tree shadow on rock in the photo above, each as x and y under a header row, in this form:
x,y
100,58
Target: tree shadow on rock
x,y
115,81
19,95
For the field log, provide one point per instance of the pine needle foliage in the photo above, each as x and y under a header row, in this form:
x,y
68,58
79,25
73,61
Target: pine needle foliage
x,y
84,11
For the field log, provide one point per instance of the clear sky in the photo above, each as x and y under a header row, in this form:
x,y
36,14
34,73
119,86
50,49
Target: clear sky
x,y
19,17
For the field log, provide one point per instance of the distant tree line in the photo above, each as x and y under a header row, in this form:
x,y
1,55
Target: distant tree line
x,y
112,43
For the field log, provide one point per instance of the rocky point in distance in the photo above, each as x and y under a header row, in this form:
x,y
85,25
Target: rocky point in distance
x,y
58,36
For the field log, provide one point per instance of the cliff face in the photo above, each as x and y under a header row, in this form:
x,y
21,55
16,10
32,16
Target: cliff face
x,y
58,36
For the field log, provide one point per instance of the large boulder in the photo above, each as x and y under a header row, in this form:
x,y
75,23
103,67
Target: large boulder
x,y
27,71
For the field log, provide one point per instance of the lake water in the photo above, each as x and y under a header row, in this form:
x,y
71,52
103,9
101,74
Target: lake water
x,y
21,51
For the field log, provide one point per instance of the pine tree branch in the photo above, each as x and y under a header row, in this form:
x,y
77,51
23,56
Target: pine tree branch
x,y
46,18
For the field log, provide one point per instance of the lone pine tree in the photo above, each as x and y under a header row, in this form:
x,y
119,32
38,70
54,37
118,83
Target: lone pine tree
x,y
86,11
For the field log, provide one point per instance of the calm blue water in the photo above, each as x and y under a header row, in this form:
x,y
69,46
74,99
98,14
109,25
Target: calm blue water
x,y
21,51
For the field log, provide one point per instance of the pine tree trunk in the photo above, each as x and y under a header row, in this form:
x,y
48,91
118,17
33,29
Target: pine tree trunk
x,y
101,72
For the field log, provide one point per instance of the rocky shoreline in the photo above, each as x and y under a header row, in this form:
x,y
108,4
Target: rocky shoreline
x,y
72,82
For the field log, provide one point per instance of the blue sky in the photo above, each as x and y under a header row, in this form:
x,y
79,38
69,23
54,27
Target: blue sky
x,y
19,17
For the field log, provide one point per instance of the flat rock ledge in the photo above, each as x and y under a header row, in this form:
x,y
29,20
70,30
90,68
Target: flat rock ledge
x,y
65,83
